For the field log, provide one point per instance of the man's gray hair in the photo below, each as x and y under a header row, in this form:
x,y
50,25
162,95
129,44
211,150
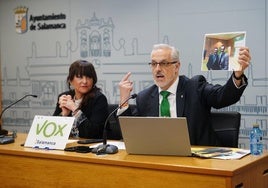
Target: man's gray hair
x,y
174,51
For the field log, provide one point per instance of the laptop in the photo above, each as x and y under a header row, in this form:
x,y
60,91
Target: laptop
x,y
155,135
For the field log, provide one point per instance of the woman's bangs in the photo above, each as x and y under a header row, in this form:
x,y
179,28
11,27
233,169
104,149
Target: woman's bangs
x,y
84,71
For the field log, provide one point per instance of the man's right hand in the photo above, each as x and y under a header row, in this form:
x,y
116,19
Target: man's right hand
x,y
125,87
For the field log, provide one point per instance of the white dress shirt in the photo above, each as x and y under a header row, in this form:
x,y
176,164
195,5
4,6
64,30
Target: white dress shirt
x,y
171,98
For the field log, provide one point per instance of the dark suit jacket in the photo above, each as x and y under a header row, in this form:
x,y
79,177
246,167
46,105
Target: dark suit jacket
x,y
194,98
96,112
224,61
213,62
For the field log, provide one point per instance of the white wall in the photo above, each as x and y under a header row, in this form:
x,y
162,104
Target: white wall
x,y
37,61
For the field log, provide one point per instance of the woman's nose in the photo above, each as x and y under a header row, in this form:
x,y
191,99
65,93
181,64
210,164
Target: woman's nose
x,y
84,79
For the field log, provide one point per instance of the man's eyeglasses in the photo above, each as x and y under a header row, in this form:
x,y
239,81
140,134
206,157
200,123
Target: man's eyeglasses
x,y
161,64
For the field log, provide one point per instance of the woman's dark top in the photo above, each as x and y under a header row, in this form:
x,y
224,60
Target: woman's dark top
x,y
94,113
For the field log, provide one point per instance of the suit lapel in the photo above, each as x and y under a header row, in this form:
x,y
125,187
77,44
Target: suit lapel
x,y
155,100
180,97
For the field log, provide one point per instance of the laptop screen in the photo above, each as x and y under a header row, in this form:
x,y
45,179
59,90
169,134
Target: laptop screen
x,y
155,135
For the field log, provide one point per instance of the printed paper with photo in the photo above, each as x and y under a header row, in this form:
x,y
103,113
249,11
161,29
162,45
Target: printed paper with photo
x,y
220,51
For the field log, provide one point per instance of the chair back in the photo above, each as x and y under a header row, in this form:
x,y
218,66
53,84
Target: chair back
x,y
113,130
226,126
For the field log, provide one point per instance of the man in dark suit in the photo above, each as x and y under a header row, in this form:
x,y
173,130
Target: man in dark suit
x,y
213,61
192,98
223,59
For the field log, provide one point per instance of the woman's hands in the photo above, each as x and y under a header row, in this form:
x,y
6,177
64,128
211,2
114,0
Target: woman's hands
x,y
67,104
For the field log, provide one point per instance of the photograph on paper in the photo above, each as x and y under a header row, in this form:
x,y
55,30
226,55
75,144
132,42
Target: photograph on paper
x,y
221,50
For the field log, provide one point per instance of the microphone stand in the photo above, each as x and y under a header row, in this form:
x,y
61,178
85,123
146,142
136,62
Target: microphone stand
x,y
108,148
3,131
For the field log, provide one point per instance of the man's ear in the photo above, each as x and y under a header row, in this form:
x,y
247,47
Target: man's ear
x,y
178,65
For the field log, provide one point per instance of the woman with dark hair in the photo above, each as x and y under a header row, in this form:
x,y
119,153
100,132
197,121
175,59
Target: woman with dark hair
x,y
84,101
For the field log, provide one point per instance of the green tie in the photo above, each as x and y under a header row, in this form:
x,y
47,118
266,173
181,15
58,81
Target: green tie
x,y
164,107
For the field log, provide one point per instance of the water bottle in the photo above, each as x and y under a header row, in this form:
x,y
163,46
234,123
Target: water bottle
x,y
256,145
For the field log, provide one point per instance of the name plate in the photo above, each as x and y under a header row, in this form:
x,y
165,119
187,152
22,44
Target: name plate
x,y
49,132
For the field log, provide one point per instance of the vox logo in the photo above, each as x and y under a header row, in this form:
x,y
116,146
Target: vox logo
x,y
50,128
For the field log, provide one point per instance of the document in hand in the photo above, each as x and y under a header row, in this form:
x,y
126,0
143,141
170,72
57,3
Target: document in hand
x,y
221,51
220,153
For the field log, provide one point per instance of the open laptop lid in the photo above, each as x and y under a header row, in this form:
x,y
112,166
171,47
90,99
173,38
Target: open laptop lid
x,y
155,135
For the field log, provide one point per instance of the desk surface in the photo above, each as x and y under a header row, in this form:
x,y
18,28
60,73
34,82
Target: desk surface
x,y
192,165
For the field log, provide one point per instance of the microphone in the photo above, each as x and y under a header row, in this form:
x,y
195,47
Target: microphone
x,y
3,131
108,148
